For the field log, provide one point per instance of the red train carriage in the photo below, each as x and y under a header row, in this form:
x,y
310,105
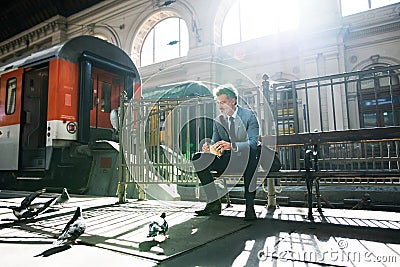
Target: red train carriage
x,y
54,104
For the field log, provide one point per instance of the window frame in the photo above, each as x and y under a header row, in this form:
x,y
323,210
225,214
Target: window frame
x,y
374,99
11,96
154,51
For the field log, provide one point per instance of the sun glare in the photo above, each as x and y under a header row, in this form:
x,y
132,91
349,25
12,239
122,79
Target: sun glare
x,y
250,19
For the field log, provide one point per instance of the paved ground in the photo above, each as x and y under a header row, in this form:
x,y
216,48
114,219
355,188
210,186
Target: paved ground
x,y
117,234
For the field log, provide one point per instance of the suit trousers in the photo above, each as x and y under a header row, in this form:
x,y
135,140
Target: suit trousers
x,y
205,163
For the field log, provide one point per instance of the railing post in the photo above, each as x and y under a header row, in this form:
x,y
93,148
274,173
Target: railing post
x,y
265,86
121,159
270,182
142,193
316,179
309,182
271,194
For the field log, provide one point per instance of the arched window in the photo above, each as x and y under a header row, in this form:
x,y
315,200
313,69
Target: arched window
x,y
168,39
350,7
249,19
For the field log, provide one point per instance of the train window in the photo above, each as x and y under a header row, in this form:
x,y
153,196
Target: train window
x,y
11,95
105,97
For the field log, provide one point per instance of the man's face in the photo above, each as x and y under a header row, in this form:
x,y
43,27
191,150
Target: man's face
x,y
226,105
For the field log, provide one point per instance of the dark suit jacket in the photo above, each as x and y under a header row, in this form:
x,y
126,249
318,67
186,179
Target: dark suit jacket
x,y
247,131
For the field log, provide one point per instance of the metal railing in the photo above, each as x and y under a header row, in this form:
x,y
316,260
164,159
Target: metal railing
x,y
159,136
337,102
359,112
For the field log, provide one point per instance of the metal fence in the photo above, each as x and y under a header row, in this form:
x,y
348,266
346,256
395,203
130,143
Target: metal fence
x,y
354,100
358,113
159,136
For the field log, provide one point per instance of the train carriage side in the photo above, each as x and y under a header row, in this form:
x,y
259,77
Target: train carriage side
x,y
54,105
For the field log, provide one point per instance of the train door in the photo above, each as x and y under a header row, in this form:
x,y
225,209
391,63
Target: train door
x,y
10,113
34,119
106,90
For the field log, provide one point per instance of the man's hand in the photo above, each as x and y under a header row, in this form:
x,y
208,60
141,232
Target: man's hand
x,y
222,145
205,147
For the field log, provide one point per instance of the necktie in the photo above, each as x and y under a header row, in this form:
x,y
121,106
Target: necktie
x,y
232,129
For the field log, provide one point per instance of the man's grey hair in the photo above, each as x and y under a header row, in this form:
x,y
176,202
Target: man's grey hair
x,y
226,89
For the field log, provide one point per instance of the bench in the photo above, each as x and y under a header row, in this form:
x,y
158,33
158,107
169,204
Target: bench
x,y
336,157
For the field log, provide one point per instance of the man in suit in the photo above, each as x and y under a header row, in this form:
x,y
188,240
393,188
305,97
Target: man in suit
x,y
234,140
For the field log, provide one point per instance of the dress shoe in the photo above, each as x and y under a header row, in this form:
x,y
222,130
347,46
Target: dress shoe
x,y
210,209
250,214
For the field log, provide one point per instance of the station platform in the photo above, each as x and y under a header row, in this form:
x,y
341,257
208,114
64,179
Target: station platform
x,y
117,234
